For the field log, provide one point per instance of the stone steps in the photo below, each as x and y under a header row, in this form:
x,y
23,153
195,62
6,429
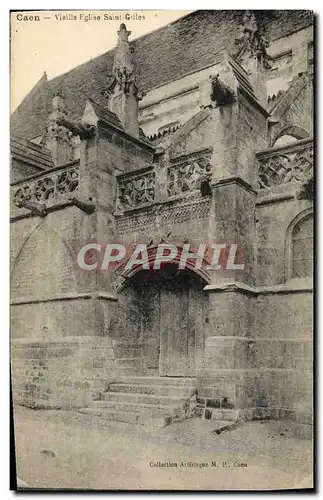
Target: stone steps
x,y
133,406
130,417
224,414
152,389
156,380
155,401
129,397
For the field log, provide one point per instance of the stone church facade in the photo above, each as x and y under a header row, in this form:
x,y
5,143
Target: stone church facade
x,y
201,131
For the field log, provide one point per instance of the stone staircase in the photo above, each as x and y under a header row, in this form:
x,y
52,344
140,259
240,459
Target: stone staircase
x,y
154,401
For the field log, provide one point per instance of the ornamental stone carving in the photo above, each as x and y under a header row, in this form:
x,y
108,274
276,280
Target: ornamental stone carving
x,y
67,182
221,94
56,137
21,195
252,41
44,189
136,191
188,176
284,167
122,90
164,217
50,189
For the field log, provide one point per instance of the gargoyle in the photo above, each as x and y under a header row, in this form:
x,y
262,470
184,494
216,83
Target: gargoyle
x,y
221,93
86,206
83,130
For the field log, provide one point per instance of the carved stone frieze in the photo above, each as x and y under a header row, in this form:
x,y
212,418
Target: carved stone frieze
x,y
51,188
187,176
21,195
163,216
67,181
44,189
135,191
283,167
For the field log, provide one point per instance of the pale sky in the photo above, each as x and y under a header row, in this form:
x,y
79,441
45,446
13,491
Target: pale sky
x,y
57,45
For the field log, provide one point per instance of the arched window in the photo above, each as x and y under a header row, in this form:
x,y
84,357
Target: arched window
x,y
302,248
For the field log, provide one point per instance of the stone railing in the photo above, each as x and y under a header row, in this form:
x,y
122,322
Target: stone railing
x,y
284,164
136,190
186,176
51,187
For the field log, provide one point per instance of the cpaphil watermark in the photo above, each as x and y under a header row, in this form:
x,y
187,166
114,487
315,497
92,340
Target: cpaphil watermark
x,y
216,256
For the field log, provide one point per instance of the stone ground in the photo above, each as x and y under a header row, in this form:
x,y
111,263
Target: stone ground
x,y
60,449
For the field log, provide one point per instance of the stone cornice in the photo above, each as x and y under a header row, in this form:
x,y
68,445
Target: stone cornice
x,y
234,180
102,294
168,97
287,148
284,288
274,199
140,141
46,172
85,340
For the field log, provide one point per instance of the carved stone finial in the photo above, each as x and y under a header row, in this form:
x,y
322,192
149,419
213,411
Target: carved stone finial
x,y
56,137
122,57
221,94
122,90
252,41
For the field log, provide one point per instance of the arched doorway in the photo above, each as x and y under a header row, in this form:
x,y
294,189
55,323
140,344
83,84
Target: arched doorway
x,y
171,312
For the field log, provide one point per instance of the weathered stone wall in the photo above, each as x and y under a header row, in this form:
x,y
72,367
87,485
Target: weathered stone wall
x,y
59,326
290,55
60,373
279,372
